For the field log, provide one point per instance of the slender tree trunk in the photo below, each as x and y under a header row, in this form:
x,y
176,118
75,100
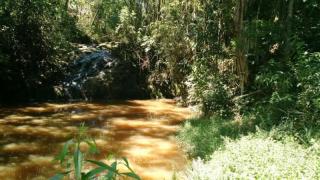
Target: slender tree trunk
x,y
159,10
220,26
241,61
66,5
288,30
154,10
256,33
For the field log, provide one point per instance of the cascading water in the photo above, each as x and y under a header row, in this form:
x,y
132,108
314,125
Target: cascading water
x,y
93,65
98,75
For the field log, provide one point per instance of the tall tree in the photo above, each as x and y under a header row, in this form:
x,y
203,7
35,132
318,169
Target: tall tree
x,y
288,32
241,60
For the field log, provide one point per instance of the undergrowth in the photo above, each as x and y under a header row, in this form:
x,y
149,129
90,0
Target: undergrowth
x,y
247,148
202,136
258,156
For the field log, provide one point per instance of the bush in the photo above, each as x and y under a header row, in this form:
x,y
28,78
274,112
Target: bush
x,y
253,157
212,85
308,75
289,92
217,102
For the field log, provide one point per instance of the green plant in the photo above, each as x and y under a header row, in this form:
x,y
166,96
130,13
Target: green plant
x,y
212,85
291,92
257,156
216,101
308,76
73,160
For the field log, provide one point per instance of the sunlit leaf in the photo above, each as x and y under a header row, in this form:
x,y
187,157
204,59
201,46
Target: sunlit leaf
x,y
126,161
94,172
101,164
62,155
77,163
111,174
92,146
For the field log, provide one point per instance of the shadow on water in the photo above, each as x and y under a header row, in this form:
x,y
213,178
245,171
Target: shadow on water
x,y
142,130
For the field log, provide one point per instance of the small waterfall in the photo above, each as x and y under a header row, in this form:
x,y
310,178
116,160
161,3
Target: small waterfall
x,y
97,75
94,65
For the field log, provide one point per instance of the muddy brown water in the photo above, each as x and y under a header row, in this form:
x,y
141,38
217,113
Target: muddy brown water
x,y
141,130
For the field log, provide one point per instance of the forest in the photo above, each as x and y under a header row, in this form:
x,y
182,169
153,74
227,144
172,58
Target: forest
x,y
231,88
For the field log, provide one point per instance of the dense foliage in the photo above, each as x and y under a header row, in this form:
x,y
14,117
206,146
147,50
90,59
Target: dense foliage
x,y
33,47
244,63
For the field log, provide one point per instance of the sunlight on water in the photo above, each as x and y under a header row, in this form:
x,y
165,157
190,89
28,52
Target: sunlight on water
x,y
142,130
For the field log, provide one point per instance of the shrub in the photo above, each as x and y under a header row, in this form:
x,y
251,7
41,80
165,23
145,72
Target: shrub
x,y
253,157
308,75
216,101
290,92
213,86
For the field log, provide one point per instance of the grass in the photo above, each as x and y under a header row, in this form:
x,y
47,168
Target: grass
x,y
200,137
238,149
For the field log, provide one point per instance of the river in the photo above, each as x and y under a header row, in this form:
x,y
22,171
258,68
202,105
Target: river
x,y
141,130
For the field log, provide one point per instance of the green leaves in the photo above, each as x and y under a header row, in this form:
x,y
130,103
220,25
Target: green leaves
x,y
94,172
112,173
62,155
112,169
131,173
103,165
76,161
92,146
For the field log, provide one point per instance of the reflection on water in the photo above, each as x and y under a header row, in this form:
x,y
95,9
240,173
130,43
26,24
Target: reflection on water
x,y
141,130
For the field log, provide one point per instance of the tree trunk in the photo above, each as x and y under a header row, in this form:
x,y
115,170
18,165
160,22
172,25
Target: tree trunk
x,y
288,30
159,10
66,5
241,60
